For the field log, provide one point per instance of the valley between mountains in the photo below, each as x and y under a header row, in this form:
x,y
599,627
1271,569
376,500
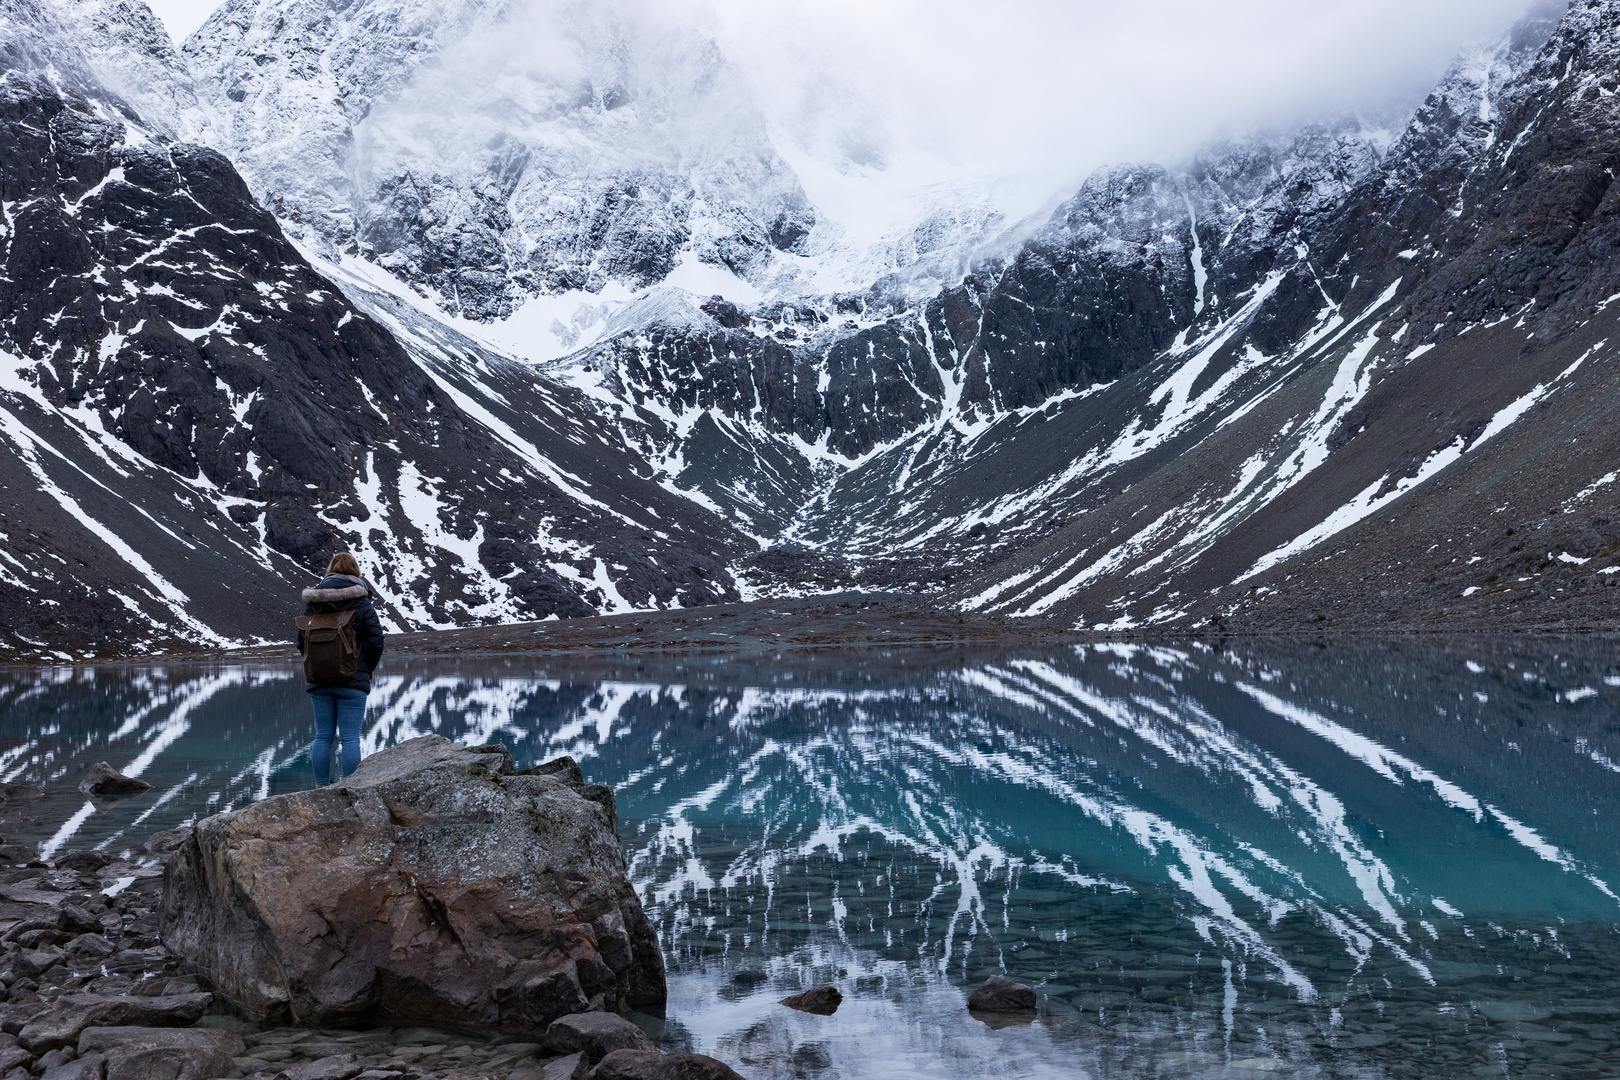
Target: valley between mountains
x,y
540,348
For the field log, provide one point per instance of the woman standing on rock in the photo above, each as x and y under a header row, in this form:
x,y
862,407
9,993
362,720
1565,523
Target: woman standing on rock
x,y
341,640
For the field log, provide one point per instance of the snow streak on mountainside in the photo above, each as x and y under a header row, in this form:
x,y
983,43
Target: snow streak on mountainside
x,y
1324,453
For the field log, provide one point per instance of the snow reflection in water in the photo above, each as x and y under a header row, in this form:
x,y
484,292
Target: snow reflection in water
x,y
1364,860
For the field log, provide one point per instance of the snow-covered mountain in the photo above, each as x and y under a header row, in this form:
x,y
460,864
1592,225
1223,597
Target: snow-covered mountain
x,y
460,317
113,52
192,415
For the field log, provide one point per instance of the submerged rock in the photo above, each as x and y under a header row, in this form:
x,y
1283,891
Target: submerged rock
x,y
17,853
106,782
999,995
84,862
823,1001
572,1067
651,1065
19,792
436,885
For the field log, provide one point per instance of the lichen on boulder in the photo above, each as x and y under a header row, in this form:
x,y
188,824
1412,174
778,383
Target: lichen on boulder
x,y
436,885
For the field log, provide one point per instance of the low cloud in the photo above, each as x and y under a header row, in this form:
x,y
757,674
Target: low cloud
x,y
874,97
1059,87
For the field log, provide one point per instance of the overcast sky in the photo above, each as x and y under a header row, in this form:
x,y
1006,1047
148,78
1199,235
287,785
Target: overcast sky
x,y
1057,87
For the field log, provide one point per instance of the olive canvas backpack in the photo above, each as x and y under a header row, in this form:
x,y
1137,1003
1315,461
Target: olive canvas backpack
x,y
331,647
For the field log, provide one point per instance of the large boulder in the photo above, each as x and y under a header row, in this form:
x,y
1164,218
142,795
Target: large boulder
x,y
436,885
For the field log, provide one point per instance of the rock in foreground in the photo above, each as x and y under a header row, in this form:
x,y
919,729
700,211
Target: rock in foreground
x,y
436,885
134,1053
71,1015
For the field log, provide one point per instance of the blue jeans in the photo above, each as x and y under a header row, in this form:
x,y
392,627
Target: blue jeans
x,y
339,712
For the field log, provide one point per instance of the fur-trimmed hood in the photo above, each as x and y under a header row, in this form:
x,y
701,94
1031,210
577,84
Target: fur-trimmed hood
x,y
357,591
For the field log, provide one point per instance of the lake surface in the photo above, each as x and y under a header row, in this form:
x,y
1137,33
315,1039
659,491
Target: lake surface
x,y
1340,861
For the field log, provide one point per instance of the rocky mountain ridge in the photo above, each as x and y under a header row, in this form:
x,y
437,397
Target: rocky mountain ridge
x,y
1204,396
567,166
192,411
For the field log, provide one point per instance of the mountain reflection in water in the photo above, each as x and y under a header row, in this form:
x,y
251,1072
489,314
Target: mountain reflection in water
x,y
1356,860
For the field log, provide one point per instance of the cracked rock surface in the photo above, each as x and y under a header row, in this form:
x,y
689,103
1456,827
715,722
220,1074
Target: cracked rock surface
x,y
436,885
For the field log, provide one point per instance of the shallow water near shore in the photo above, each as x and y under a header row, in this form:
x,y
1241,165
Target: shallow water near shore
x,y
1351,860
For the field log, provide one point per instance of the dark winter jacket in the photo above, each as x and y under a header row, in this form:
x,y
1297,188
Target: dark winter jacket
x,y
338,592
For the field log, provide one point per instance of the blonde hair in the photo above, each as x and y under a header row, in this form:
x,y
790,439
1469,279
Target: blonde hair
x,y
343,563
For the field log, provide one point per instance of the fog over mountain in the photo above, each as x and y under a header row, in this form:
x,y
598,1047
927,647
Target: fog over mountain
x,y
894,96
1040,81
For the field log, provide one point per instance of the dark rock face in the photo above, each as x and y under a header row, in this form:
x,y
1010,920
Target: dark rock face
x,y
999,995
434,885
108,782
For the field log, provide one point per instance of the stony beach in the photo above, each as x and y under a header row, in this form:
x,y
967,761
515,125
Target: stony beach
x,y
92,992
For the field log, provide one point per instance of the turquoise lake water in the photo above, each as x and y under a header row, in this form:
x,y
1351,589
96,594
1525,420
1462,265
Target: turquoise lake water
x,y
1367,860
